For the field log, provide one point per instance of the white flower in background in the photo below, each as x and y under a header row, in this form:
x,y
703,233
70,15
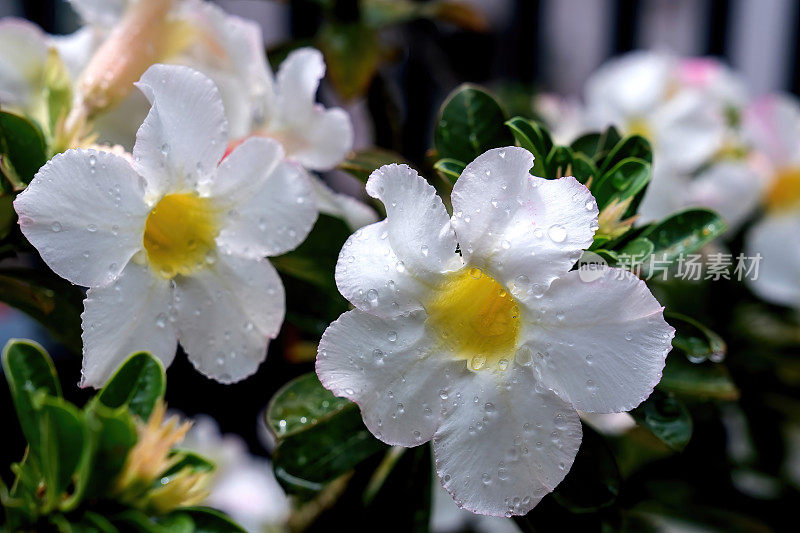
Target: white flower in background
x,y
172,246
564,117
23,55
774,125
488,352
242,485
684,107
312,135
122,38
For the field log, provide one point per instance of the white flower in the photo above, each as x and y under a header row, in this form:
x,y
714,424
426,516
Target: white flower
x,y
774,125
488,352
172,246
682,106
243,485
124,37
23,55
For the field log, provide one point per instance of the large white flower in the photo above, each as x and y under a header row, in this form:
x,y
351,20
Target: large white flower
x,y
773,123
172,246
242,485
472,331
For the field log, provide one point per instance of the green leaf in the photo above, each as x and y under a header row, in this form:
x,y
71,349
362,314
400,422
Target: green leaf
x,y
52,301
636,251
352,55
696,340
320,436
626,179
470,123
28,370
535,138
633,146
138,384
362,163
450,169
559,163
8,217
63,445
594,480
698,380
188,459
22,147
583,168
113,435
684,232
587,144
667,418
205,520
301,404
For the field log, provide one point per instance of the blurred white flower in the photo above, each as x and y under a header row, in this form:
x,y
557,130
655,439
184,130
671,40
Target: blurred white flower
x,y
685,108
173,245
490,351
773,123
564,117
23,56
243,485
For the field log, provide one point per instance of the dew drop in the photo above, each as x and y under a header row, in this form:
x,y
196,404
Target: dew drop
x,y
55,226
557,233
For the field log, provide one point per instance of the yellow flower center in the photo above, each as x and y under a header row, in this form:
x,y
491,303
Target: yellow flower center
x,y
784,193
640,126
476,319
179,234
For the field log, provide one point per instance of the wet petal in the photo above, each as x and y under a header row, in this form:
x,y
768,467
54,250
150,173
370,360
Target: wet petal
x,y
777,239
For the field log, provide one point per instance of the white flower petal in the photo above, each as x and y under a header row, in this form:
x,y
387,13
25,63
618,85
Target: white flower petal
x,y
76,49
100,12
355,213
388,368
185,134
627,87
23,53
773,124
129,315
231,53
269,203
731,188
318,138
504,442
85,215
226,315
373,278
599,338
417,223
777,239
524,230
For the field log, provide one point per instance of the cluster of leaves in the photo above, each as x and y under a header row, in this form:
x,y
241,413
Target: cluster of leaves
x,y
65,482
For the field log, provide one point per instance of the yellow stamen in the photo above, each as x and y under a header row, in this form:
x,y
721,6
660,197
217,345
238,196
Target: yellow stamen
x,y
179,234
640,126
784,193
476,319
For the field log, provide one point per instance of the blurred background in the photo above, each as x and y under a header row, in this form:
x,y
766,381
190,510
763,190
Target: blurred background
x,y
517,48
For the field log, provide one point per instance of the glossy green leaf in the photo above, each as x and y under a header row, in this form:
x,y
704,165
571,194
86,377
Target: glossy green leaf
x,y
450,169
63,437
684,233
633,146
362,163
52,301
583,168
587,144
705,380
626,179
636,251
22,147
28,369
138,384
667,418
696,340
559,163
203,520
594,480
301,404
114,434
532,136
470,122
352,55
188,459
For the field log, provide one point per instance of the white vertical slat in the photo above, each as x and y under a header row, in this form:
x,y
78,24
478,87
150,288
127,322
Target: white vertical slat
x,y
677,26
577,39
760,42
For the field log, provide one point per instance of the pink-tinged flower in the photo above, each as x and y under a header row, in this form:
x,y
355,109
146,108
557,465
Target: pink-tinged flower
x,y
773,124
172,246
473,332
